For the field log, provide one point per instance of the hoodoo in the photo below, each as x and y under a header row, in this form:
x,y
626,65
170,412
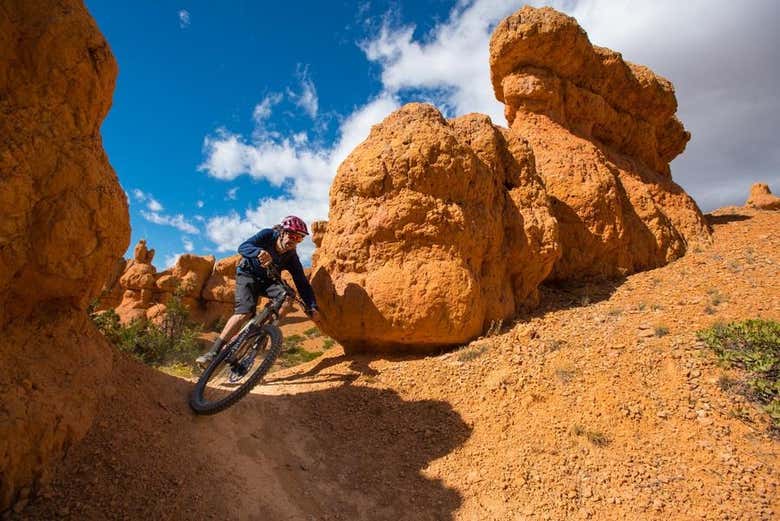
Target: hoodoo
x,y
63,228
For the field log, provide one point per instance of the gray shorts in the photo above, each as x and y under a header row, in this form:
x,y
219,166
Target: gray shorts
x,y
249,289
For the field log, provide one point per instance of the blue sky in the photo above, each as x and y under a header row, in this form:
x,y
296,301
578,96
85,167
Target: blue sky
x,y
229,115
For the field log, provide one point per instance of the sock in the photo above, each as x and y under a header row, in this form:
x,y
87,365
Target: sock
x,y
217,344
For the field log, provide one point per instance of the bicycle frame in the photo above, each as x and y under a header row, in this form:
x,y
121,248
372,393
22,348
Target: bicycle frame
x,y
269,314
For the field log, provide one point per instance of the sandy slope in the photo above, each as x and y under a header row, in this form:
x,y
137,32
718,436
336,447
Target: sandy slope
x,y
503,429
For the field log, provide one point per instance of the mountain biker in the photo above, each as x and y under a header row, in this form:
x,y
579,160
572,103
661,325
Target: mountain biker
x,y
271,245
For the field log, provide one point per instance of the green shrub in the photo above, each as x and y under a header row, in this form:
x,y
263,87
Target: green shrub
x,y
294,354
174,340
753,346
312,332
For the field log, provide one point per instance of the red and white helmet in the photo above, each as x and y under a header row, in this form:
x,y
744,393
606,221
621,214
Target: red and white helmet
x,y
294,224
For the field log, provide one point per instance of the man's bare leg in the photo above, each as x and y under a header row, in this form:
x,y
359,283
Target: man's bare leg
x,y
233,324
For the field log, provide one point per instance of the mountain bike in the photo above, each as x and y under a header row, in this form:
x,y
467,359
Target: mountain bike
x,y
243,362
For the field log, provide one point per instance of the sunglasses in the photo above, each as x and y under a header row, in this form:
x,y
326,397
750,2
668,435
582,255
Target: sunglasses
x,y
296,237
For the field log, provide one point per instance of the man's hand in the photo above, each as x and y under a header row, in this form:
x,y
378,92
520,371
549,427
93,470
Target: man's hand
x,y
265,258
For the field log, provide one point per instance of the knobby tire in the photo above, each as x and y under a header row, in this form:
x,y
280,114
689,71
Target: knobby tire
x,y
202,406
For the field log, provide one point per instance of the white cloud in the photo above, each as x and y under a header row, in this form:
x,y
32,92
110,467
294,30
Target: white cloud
x,y
139,195
305,171
263,110
171,260
200,204
231,194
307,99
453,58
188,245
153,204
184,18
177,221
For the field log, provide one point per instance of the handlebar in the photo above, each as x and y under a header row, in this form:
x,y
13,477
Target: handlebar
x,y
275,275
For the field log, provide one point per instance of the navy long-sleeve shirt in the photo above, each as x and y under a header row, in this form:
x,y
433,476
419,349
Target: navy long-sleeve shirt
x,y
289,261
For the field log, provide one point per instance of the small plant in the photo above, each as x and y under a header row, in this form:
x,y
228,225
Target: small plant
x,y
742,414
661,330
716,297
709,310
294,354
615,312
494,328
312,332
727,383
656,307
597,438
467,354
328,343
641,306
750,256
554,344
733,266
754,347
565,373
293,340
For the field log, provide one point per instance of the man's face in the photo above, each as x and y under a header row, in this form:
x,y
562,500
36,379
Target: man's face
x,y
290,239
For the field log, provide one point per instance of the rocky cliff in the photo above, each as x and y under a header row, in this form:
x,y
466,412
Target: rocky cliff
x,y
63,226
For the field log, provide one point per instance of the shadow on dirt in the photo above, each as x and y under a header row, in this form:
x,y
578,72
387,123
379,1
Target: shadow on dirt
x,y
554,297
345,452
353,452
726,218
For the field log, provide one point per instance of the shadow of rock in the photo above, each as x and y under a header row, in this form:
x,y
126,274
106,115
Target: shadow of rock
x,y
557,296
726,218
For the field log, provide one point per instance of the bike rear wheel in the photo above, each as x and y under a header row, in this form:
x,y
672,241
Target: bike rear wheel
x,y
236,370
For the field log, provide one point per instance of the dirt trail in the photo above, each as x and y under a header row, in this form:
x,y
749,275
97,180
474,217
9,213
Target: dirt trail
x,y
580,411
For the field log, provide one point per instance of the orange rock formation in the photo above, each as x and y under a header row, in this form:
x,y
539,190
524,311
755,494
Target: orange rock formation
x,y
63,226
438,229
603,132
761,197
205,287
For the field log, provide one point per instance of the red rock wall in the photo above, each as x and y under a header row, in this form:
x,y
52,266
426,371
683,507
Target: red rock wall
x,y
63,226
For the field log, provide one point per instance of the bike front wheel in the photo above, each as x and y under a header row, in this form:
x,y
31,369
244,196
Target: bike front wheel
x,y
236,370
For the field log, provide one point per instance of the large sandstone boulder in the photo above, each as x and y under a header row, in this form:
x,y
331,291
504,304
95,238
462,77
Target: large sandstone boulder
x,y
761,197
63,226
436,230
603,132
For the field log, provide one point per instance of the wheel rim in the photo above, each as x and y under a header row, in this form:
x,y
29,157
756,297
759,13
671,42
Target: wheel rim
x,y
233,371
